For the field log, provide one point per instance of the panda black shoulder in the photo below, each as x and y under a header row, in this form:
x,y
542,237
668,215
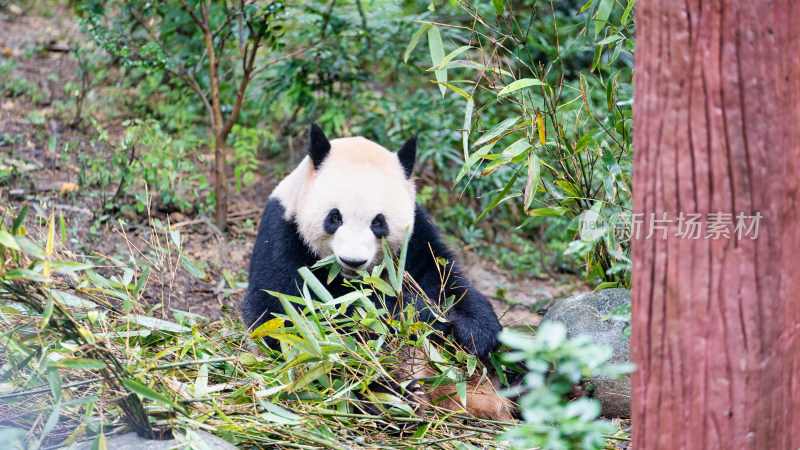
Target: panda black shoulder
x,y
424,247
426,233
278,253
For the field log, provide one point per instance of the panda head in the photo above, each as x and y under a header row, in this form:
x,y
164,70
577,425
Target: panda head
x,y
353,194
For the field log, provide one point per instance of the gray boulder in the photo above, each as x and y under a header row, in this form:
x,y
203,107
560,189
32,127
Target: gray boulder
x,y
192,439
581,314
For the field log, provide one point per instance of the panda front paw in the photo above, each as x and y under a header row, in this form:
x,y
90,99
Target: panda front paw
x,y
480,340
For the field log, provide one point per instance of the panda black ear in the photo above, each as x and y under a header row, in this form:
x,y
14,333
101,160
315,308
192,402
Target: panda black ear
x,y
318,145
408,155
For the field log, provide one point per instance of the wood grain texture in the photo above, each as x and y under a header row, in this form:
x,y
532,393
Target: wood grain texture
x,y
716,323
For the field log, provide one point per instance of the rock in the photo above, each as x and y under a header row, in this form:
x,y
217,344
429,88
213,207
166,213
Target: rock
x,y
16,195
195,439
58,46
581,314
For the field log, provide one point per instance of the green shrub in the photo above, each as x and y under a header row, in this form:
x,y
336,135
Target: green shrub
x,y
146,161
556,364
555,135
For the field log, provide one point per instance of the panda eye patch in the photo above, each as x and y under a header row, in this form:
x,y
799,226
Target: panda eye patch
x,y
379,226
332,221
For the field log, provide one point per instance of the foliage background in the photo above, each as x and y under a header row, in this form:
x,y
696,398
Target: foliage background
x,y
110,117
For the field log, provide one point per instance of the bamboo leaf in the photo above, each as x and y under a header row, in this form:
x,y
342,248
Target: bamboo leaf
x,y
8,241
496,131
472,362
70,300
510,152
467,126
461,389
388,260
603,13
51,423
333,272
584,89
201,382
324,261
401,262
80,363
313,282
472,160
146,392
611,39
498,7
269,392
610,162
520,84
534,174
25,274
628,9
277,414
420,433
310,375
500,197
381,285
194,269
415,40
54,380
267,327
175,235
99,280
141,281
63,226
540,126
610,94
598,53
100,443
455,89
437,55
569,188
157,324
47,312
300,323
297,342
68,266
465,63
15,227
608,285
453,54
87,335
553,211
31,247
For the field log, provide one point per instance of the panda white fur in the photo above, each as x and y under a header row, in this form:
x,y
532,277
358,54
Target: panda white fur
x,y
342,199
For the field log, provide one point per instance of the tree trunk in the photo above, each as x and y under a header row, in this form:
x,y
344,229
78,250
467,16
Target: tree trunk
x,y
221,186
716,322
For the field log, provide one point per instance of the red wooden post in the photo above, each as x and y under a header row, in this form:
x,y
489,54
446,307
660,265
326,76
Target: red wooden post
x,y
716,322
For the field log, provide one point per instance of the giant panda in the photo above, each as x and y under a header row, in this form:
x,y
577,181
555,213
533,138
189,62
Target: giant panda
x,y
343,198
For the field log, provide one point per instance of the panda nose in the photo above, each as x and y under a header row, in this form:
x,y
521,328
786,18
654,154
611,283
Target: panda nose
x,y
354,263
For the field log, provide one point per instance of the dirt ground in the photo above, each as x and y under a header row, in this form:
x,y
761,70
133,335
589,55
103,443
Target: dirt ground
x,y
40,46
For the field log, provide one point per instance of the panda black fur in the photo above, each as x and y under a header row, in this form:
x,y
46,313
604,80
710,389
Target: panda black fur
x,y
283,245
